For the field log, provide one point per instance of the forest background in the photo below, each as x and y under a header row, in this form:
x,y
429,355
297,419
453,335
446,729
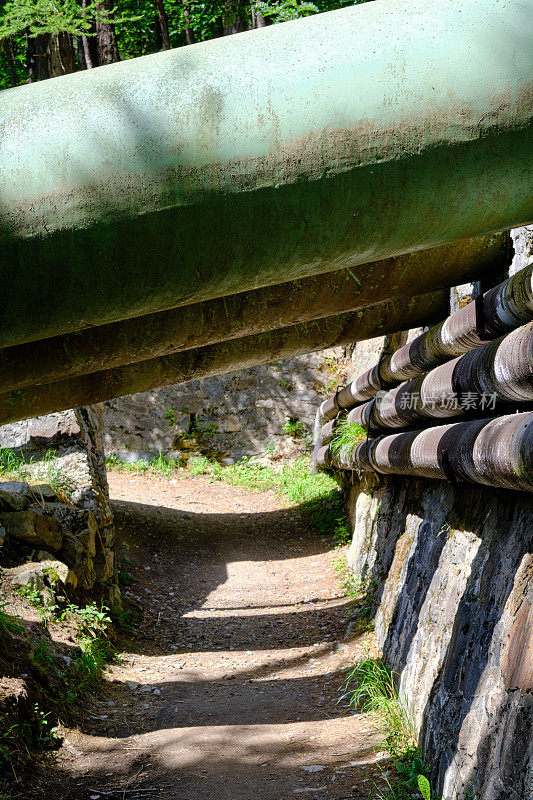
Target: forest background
x,y
42,39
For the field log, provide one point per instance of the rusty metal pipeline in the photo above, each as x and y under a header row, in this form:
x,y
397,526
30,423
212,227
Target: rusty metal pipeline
x,y
497,372
219,358
246,313
501,309
494,452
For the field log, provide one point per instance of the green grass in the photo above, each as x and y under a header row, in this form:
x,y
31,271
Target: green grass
x,y
14,466
159,466
9,626
295,427
347,435
369,687
320,495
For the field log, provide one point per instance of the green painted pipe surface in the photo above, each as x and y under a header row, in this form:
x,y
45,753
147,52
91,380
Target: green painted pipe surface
x,y
224,357
246,313
246,161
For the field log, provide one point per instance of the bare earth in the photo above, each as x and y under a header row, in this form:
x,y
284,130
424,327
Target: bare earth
x,y
236,666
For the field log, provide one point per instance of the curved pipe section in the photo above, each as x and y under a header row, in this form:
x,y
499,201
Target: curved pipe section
x,y
495,452
204,171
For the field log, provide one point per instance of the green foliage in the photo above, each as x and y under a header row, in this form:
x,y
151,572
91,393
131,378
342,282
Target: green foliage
x,y
370,688
47,16
8,624
424,786
162,466
46,733
199,465
125,578
295,427
285,10
347,435
15,467
42,654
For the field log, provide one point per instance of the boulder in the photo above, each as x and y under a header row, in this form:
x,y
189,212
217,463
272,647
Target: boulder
x,y
14,495
58,571
30,575
43,492
34,527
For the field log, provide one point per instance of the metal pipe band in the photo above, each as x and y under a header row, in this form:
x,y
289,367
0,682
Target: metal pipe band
x,y
242,314
220,358
497,372
504,307
203,171
495,452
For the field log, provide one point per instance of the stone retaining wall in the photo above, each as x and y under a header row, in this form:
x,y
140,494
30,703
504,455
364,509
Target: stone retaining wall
x,y
452,568
84,524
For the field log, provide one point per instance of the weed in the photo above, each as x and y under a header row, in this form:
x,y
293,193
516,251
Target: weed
x,y
8,624
42,655
125,619
171,417
125,578
135,467
295,427
347,435
370,687
62,485
199,465
424,786
13,465
46,735
45,608
162,466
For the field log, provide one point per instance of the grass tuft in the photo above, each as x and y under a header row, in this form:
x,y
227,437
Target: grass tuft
x,y
347,435
369,687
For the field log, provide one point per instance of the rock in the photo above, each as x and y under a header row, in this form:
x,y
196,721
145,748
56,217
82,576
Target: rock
x,y
227,462
14,496
56,570
3,535
132,685
33,526
43,491
30,575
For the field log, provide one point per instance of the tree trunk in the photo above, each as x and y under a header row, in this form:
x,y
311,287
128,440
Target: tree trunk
x,y
88,56
235,17
10,61
163,24
37,62
187,18
106,38
61,57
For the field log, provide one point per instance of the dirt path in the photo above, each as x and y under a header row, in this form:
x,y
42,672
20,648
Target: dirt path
x,y
229,689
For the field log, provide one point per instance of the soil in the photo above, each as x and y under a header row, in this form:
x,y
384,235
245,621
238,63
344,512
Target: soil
x,y
229,687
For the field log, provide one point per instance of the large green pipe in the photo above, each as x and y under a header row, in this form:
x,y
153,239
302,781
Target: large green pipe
x,y
223,357
316,145
246,313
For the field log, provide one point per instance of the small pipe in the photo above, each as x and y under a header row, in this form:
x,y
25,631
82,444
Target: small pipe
x,y
494,452
503,308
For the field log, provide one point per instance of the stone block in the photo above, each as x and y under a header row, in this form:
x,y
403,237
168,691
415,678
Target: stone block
x,y
33,527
